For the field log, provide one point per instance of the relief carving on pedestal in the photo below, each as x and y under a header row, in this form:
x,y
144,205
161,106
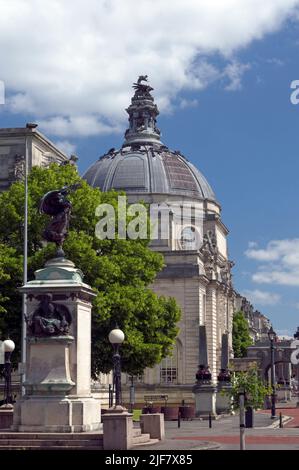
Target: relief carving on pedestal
x,y
49,319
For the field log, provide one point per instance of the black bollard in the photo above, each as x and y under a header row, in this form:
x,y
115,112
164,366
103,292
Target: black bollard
x,y
280,420
110,396
210,420
179,420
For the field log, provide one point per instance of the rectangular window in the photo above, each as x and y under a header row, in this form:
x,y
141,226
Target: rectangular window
x,y
168,375
168,369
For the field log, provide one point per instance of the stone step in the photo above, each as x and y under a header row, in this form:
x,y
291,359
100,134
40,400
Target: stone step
x,y
47,436
142,438
50,442
148,443
31,441
36,447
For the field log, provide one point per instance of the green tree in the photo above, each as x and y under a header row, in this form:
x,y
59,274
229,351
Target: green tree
x,y
10,270
119,271
241,336
254,388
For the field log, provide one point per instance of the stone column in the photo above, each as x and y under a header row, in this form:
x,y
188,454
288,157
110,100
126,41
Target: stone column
x,y
58,368
204,390
211,324
223,404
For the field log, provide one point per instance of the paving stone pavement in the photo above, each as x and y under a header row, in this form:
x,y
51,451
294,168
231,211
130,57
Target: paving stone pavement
x,y
224,434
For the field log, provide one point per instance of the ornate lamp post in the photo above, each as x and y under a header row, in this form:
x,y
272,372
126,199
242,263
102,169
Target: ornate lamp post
x,y
116,338
272,336
9,347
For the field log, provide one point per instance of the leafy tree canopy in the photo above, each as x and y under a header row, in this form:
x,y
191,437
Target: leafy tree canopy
x,y
255,389
119,271
241,336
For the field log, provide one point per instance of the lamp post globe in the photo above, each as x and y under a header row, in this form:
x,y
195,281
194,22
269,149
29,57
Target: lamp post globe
x,y
272,337
9,347
116,338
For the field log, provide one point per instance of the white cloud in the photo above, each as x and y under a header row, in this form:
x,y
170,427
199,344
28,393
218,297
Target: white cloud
x,y
280,262
72,60
65,146
234,72
275,61
261,297
284,334
77,125
188,103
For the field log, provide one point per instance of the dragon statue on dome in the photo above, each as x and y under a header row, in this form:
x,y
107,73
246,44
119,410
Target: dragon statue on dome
x,y
141,87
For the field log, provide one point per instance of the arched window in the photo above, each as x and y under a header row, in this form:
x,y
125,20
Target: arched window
x,y
169,368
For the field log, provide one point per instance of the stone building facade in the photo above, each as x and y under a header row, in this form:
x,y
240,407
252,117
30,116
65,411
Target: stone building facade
x,y
259,324
13,142
197,267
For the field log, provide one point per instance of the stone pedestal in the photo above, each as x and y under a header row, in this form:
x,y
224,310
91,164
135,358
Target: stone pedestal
x,y
223,398
153,424
205,399
6,416
117,430
58,356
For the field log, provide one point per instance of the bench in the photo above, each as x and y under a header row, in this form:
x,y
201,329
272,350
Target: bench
x,y
150,399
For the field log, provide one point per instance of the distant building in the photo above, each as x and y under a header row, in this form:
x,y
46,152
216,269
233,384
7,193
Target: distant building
x,y
259,325
41,152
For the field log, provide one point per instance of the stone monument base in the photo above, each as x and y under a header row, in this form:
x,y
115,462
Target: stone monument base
x,y
57,414
224,400
118,429
205,399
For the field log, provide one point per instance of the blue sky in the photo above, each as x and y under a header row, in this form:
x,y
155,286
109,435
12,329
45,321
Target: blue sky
x,y
228,111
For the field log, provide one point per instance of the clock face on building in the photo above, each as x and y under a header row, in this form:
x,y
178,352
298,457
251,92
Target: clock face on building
x,y
188,240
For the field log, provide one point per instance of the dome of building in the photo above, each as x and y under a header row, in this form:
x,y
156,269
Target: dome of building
x,y
144,164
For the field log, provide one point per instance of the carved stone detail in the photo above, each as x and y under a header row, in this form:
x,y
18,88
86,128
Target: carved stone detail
x,y
49,319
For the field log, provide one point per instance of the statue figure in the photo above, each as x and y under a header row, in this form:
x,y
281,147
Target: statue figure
x,y
209,245
140,87
49,319
56,204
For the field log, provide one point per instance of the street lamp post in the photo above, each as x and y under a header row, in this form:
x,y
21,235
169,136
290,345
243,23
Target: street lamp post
x,y
242,418
9,347
116,338
272,336
30,126
25,256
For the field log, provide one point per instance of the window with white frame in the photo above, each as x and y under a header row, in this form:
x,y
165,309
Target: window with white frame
x,y
169,368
